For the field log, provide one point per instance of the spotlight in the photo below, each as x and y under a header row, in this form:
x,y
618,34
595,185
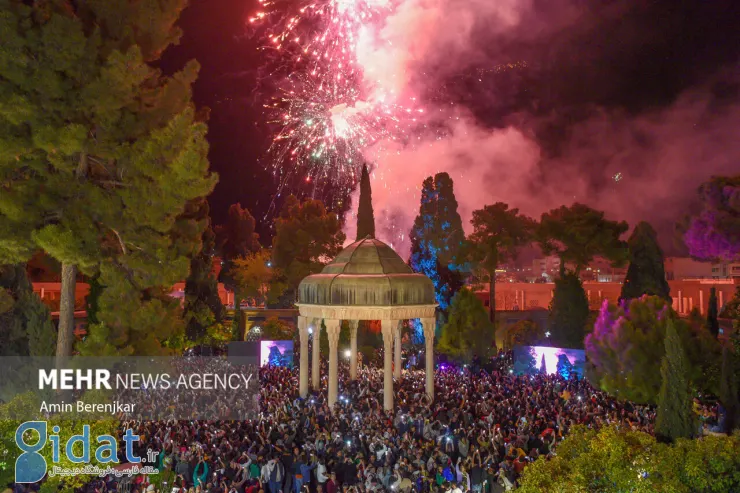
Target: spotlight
x,y
347,353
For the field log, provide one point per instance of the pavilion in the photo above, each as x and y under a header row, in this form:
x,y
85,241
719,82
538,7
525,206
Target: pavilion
x,y
366,281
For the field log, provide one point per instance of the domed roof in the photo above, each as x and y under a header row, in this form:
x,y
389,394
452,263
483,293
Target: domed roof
x,y
367,273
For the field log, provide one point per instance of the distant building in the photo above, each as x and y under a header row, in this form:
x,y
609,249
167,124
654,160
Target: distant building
x,y
601,270
545,269
726,271
679,268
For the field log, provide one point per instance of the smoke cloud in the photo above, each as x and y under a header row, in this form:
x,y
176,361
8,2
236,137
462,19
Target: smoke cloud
x,y
635,165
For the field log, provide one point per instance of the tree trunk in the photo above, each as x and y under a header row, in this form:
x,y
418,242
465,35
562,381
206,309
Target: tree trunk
x,y
66,335
236,330
492,295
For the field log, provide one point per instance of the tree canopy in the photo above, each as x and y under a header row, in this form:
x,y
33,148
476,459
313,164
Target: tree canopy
x,y
236,239
579,233
253,274
203,307
100,153
468,329
617,460
646,271
714,232
306,238
524,333
627,346
498,234
437,238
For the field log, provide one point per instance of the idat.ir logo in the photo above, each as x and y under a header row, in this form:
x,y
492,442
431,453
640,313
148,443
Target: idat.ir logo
x,y
31,466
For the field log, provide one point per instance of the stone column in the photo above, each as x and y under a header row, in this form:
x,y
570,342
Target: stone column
x,y
316,361
332,330
303,373
397,350
429,324
388,327
353,349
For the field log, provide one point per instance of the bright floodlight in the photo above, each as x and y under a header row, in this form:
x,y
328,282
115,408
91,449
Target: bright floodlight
x,y
347,353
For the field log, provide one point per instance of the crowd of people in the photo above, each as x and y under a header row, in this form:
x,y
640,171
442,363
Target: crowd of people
x,y
483,428
192,399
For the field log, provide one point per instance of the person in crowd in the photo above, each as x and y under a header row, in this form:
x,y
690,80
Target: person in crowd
x,y
479,434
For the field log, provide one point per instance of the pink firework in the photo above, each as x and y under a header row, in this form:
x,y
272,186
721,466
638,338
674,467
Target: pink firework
x,y
325,113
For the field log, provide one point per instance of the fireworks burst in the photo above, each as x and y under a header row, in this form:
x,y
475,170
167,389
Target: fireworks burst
x,y
324,112
322,33
323,127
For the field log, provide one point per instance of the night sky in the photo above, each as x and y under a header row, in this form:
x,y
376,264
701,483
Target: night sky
x,y
627,105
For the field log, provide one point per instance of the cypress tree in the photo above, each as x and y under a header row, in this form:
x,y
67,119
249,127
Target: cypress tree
x,y
365,215
646,272
569,311
236,239
712,311
437,238
729,394
203,306
675,416
468,330
25,322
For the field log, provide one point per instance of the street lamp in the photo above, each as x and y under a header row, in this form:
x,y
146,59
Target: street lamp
x,y
347,353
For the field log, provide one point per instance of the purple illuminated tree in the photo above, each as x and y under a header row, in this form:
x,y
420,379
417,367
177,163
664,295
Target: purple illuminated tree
x,y
714,232
627,345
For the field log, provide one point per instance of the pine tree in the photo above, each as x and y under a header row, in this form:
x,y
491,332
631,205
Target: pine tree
x,y
365,215
712,322
499,233
646,273
579,233
306,235
576,234
236,239
203,307
675,416
437,238
105,152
